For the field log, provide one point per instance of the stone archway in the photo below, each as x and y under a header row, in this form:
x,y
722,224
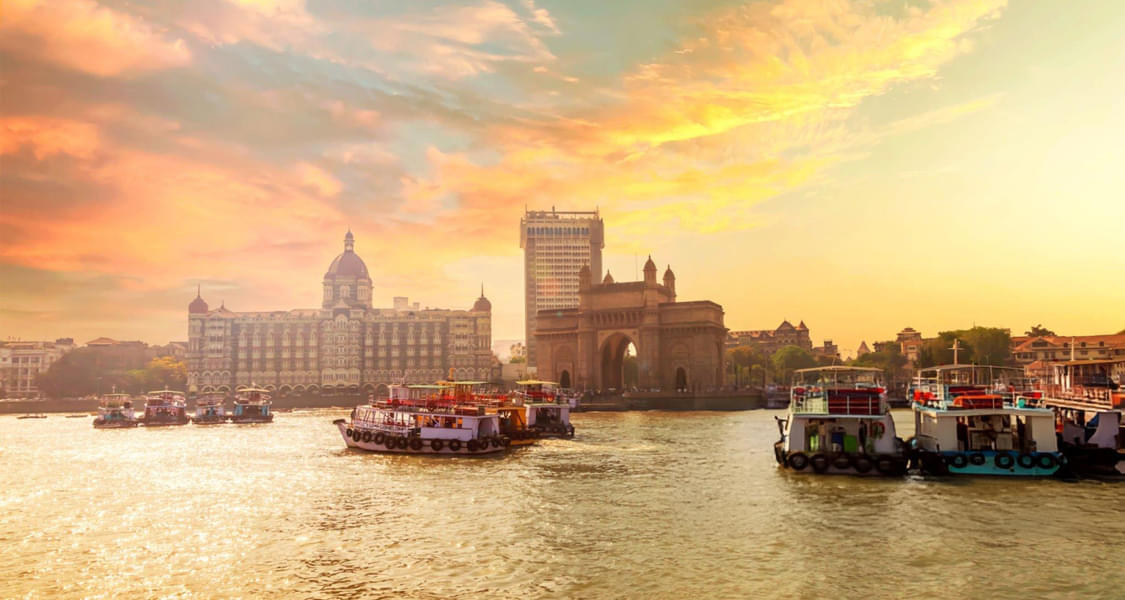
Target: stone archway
x,y
564,379
613,361
681,379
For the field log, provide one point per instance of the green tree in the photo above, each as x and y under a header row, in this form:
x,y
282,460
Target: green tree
x,y
979,345
789,359
518,360
1038,331
166,372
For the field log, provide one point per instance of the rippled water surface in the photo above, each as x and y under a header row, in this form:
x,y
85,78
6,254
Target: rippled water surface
x,y
638,505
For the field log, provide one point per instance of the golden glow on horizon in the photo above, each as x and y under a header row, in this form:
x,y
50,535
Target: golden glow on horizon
x,y
861,166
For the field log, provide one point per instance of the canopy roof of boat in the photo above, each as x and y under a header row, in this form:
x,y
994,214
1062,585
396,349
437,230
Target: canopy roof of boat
x,y
452,383
115,395
838,368
535,382
166,392
976,412
429,386
956,367
1092,361
252,389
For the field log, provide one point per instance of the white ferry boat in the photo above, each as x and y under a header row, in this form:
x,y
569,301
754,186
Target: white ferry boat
x,y
209,410
1088,397
546,409
977,420
115,411
252,405
165,407
423,419
839,422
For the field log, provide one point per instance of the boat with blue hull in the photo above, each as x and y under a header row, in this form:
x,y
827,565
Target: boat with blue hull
x,y
252,405
976,420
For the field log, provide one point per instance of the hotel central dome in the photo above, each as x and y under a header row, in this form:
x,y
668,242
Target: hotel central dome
x,y
348,263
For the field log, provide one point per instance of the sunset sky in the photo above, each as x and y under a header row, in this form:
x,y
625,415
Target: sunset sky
x,y
863,166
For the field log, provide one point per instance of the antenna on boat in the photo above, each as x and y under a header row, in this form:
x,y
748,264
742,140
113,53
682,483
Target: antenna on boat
x,y
955,348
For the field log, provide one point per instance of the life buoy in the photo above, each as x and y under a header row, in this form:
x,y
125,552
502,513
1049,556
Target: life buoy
x,y
885,464
819,463
416,444
1004,460
347,433
379,437
862,464
1026,461
842,462
455,445
1046,461
366,436
436,445
473,445
797,461
977,458
878,429
959,461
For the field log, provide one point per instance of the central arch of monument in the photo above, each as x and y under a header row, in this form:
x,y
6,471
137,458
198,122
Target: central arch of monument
x,y
679,345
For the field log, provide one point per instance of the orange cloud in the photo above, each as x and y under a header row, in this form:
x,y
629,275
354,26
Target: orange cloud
x,y
81,35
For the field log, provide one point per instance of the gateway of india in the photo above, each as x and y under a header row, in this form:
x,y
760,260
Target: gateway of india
x,y
345,346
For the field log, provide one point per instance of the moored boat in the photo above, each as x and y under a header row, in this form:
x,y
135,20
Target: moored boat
x,y
839,423
252,405
165,407
115,411
546,409
1088,398
209,410
32,416
976,420
423,419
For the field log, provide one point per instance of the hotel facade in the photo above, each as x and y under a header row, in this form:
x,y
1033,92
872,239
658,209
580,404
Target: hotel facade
x,y
345,346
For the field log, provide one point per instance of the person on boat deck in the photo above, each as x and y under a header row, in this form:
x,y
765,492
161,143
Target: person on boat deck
x,y
962,434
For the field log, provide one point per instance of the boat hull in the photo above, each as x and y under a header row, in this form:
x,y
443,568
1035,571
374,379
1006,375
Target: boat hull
x,y
208,420
990,463
245,420
116,424
1095,462
428,447
857,464
563,431
164,423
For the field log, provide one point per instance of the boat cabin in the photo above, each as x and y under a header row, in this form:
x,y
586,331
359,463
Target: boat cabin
x,y
252,402
1025,430
839,409
1095,385
428,411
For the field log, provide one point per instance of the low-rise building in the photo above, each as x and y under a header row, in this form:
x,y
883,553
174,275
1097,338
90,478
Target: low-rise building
x,y
768,341
1045,349
22,362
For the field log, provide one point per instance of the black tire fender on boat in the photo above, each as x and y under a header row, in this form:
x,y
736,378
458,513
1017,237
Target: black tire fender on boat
x,y
366,437
1026,461
436,445
1046,461
379,438
797,461
473,445
402,443
819,463
347,433
416,444
455,445
885,464
841,462
959,461
862,464
390,442
1004,460
977,458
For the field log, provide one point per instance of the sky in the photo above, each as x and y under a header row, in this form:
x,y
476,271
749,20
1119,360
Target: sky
x,y
862,166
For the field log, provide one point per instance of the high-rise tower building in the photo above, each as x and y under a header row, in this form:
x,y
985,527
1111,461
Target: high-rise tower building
x,y
556,245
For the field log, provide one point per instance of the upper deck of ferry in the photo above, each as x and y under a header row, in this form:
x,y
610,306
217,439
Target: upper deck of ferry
x,y
1086,384
838,391
969,387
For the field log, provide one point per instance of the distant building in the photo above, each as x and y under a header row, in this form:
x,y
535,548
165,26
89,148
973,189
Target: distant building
x,y
556,245
910,344
22,362
346,345
119,355
863,349
829,350
769,341
1034,354
518,353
